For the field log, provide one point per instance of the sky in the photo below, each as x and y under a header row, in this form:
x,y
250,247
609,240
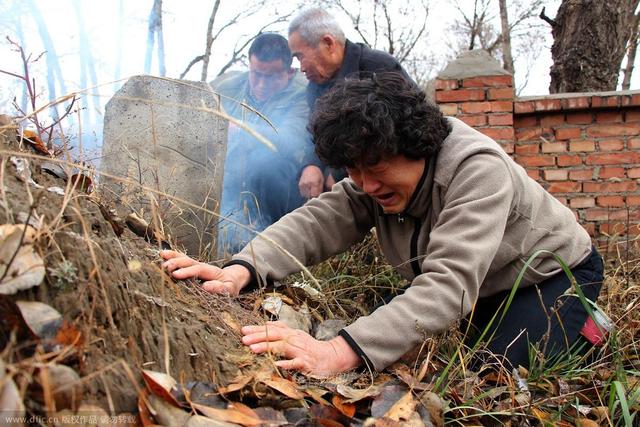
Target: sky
x,y
116,43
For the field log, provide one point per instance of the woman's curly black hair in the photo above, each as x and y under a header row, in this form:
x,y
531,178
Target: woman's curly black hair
x,y
367,118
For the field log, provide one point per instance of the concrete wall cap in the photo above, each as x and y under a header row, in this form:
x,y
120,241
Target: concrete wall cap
x,y
472,63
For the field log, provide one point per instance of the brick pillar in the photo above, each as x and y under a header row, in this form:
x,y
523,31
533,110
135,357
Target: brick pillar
x,y
475,89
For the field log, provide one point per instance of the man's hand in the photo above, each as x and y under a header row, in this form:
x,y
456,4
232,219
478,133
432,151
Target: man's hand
x,y
299,350
311,182
228,281
329,182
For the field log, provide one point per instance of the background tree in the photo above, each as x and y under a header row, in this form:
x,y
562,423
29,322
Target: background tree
x,y
155,35
631,53
590,38
508,30
399,28
268,21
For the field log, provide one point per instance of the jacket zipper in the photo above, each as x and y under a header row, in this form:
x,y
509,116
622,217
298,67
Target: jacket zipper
x,y
415,262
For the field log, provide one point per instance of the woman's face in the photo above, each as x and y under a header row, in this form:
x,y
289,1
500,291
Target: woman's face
x,y
391,182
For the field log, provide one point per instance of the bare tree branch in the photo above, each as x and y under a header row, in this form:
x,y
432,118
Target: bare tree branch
x,y
207,50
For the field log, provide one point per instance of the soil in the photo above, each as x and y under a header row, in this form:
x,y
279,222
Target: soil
x,y
130,314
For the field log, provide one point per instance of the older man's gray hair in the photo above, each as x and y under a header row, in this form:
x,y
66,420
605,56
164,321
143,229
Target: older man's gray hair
x,y
312,24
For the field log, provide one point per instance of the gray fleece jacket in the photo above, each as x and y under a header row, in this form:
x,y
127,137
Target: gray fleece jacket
x,y
474,220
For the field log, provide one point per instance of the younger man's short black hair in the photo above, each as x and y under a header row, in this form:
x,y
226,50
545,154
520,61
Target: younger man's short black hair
x,y
270,47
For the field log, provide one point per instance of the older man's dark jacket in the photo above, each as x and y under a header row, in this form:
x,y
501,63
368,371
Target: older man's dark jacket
x,y
357,58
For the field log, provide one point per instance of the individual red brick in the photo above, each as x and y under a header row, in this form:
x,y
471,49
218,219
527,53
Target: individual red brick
x,y
633,173
554,147
488,81
474,120
626,100
570,160
508,147
555,174
607,214
501,106
522,107
633,143
581,174
498,133
610,187
548,120
500,93
605,101
446,84
590,227
568,133
609,117
610,201
579,118
475,107
449,109
460,95
613,158
565,187
611,172
582,146
527,148
634,230
536,161
577,103
633,200
534,174
529,134
500,119
612,228
547,104
561,199
635,99
611,145
582,202
525,121
598,131
632,115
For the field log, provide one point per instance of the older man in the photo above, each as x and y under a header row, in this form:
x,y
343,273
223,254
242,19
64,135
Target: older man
x,y
452,211
326,56
260,184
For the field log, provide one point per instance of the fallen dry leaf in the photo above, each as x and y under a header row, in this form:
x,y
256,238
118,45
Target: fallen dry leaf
x,y
44,320
10,399
237,384
68,334
348,409
228,415
160,384
284,386
20,266
34,141
403,409
586,422
143,410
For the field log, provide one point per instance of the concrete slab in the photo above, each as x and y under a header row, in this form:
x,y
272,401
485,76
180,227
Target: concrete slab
x,y
472,63
164,134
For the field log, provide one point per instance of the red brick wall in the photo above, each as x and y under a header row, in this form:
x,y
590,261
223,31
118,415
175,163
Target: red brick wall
x,y
583,148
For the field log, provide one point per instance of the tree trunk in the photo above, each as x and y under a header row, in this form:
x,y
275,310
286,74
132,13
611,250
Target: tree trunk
x,y
155,32
631,55
207,50
589,43
507,58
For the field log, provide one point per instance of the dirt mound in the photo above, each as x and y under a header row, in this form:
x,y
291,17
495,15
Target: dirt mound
x,y
106,283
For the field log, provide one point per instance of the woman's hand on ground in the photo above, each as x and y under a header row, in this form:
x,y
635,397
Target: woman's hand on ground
x,y
299,350
228,281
